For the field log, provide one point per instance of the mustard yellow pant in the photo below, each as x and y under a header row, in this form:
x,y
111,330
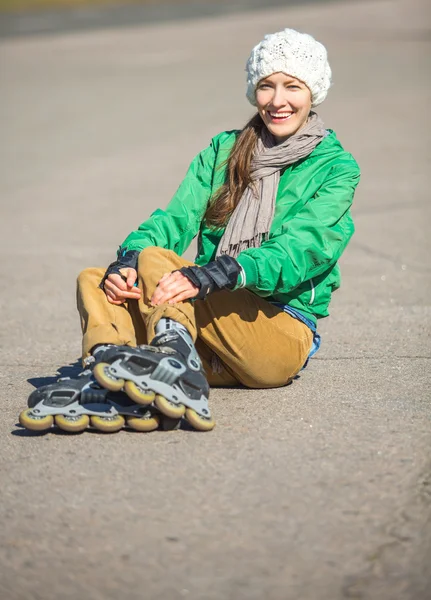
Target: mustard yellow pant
x,y
241,338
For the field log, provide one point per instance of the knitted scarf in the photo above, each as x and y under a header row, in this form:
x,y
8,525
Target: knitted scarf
x,y
251,220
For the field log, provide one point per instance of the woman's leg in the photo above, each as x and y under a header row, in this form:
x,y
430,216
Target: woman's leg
x,y
102,322
74,403
153,263
217,373
257,343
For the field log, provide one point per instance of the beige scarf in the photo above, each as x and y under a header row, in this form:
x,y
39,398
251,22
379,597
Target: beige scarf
x,y
251,220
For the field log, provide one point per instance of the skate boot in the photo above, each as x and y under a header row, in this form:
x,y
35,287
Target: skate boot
x,y
74,404
168,372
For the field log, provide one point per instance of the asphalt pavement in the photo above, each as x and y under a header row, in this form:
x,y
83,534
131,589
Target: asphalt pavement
x,y
126,13
317,491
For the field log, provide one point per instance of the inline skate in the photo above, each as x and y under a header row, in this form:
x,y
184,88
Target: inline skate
x,y
75,404
168,373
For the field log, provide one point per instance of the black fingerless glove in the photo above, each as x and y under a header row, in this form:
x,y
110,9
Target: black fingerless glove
x,y
217,275
127,260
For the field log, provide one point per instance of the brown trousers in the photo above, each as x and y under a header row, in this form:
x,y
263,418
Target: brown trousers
x,y
241,338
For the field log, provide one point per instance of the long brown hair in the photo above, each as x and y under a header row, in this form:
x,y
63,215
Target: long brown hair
x,y
238,175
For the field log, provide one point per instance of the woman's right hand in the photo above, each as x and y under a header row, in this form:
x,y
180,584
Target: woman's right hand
x,y
119,291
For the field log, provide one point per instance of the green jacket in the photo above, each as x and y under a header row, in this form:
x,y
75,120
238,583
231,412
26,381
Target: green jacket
x,y
297,264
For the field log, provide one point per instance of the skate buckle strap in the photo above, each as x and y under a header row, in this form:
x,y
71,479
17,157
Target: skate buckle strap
x,y
91,393
193,360
88,361
165,338
157,349
81,374
172,335
168,370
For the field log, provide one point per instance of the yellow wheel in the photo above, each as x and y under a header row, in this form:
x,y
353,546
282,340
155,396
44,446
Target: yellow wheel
x,y
198,422
106,380
137,394
175,411
108,424
72,424
144,423
29,420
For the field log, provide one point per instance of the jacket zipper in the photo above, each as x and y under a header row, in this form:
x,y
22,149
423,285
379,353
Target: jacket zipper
x,y
313,293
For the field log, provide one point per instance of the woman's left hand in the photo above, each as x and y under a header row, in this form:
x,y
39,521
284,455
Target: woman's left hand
x,y
173,287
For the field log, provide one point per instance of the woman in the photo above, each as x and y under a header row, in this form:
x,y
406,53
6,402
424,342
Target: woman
x,y
271,207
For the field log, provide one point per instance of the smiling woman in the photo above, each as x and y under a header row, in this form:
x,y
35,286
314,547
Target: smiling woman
x,y
270,204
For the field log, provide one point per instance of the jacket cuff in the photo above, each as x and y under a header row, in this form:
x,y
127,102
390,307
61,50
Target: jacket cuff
x,y
241,280
250,274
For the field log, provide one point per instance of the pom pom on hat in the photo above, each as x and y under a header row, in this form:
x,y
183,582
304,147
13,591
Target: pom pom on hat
x,y
296,54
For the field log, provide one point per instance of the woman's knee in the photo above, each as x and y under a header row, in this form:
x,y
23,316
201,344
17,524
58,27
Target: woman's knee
x,y
154,262
153,254
90,275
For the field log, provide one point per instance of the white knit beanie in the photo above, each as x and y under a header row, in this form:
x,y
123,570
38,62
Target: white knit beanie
x,y
296,54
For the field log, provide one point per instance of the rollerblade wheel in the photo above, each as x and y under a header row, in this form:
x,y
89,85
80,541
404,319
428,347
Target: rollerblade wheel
x,y
198,422
108,424
106,380
72,424
175,411
144,423
31,421
137,394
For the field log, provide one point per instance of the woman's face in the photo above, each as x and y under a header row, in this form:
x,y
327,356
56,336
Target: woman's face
x,y
284,104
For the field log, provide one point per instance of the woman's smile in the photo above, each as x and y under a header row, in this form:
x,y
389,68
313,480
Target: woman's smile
x,y
280,117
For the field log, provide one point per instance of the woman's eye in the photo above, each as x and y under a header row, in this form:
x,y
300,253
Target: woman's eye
x,y
293,87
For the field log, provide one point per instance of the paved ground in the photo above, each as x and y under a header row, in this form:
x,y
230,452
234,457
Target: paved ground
x,y
125,13
319,491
